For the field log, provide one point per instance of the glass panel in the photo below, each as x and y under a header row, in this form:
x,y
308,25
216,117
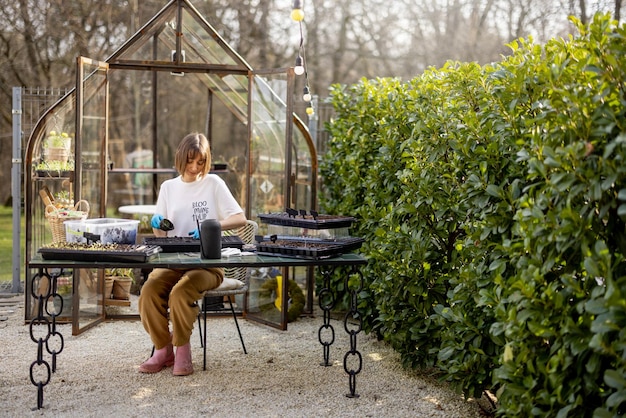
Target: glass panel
x,y
268,145
199,40
304,277
264,295
135,133
131,142
50,165
232,90
200,46
140,47
302,170
92,135
91,165
87,299
65,289
303,161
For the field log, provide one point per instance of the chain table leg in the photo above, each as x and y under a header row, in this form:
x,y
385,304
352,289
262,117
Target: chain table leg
x,y
353,324
42,299
326,300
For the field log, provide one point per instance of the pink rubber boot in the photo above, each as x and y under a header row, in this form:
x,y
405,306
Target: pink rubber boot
x,y
182,364
163,357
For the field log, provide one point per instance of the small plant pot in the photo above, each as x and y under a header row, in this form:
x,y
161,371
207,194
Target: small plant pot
x,y
121,287
108,287
57,154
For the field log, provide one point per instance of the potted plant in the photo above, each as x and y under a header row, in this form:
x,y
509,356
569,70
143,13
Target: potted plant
x,y
57,147
123,279
108,287
144,225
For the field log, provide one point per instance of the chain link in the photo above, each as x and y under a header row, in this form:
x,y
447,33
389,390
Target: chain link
x,y
326,300
353,324
353,329
42,301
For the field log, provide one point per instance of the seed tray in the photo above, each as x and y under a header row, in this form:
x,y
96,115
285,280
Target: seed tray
x,y
188,244
308,249
301,219
112,252
53,173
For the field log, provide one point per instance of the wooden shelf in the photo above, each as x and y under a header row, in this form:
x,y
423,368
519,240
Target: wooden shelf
x,y
116,302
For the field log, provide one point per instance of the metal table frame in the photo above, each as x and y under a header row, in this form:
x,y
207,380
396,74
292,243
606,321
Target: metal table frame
x,y
52,269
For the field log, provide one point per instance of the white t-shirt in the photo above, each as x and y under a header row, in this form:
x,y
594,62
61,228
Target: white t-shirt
x,y
188,204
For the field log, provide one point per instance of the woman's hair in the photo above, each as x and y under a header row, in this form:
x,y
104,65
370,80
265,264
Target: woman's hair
x,y
190,147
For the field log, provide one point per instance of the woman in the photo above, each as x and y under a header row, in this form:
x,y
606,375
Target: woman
x,y
187,200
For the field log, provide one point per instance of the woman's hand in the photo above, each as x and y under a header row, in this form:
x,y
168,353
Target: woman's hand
x,y
156,221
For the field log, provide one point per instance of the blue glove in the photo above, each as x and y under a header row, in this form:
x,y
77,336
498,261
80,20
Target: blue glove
x,y
156,221
195,234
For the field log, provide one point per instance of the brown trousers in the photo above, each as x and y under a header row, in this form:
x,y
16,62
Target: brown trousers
x,y
178,291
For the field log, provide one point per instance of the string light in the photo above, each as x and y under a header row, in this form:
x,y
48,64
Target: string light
x,y
297,13
299,68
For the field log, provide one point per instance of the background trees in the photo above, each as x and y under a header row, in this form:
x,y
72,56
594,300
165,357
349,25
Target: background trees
x,y
344,41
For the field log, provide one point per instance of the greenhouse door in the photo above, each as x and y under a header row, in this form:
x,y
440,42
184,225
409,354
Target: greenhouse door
x,y
92,104
270,185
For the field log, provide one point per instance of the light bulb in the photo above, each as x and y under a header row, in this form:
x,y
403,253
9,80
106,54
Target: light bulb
x,y
306,95
296,11
299,68
310,110
297,15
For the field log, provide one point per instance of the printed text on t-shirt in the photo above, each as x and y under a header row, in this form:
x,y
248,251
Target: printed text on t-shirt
x,y
200,210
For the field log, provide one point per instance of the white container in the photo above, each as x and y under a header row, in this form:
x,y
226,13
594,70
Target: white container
x,y
104,230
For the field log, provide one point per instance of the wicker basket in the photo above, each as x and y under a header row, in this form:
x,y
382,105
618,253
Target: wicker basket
x,y
56,217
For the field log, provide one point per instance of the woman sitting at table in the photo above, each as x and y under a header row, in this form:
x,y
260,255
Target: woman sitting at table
x,y
186,201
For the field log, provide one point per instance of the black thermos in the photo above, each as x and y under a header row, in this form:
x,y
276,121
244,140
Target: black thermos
x,y
211,239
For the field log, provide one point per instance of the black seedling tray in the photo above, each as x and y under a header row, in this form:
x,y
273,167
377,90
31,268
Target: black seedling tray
x,y
188,244
307,248
113,252
312,220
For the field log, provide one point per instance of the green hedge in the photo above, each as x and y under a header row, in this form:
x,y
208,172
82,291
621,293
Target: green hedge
x,y
492,201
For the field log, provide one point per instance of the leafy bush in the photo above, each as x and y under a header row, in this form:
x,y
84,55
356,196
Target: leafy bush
x,y
492,203
561,314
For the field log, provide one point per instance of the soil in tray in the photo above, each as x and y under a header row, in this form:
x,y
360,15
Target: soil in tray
x,y
98,252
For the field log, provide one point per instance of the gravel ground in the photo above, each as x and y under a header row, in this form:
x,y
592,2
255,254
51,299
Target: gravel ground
x,y
280,376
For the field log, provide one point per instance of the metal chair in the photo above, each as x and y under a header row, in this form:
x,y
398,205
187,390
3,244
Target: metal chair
x,y
246,233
